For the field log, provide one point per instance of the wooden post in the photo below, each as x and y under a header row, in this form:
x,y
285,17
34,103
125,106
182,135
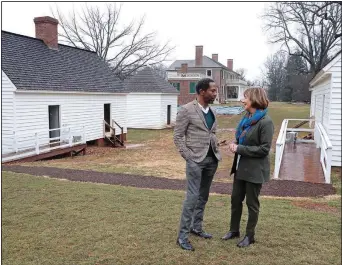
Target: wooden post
x,y
37,143
317,136
328,165
70,138
15,144
83,135
276,166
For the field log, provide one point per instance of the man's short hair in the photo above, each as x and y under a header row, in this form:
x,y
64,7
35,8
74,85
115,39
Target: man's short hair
x,y
257,96
203,84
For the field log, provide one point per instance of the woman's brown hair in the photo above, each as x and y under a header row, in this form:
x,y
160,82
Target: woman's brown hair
x,y
257,96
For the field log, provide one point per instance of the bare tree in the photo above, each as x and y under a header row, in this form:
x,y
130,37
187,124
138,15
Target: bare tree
x,y
319,11
275,74
297,84
160,69
124,47
258,82
250,83
313,28
242,73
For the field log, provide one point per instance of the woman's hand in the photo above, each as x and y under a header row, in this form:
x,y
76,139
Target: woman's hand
x,y
233,147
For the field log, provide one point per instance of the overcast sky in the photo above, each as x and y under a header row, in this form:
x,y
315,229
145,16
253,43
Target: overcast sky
x,y
233,30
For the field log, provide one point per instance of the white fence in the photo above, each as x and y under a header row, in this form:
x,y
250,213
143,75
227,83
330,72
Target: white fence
x,y
25,145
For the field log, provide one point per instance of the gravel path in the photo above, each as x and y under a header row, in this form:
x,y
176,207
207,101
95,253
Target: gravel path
x,y
281,188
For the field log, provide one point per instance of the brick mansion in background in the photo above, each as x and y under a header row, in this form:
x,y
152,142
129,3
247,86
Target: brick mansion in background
x,y
184,74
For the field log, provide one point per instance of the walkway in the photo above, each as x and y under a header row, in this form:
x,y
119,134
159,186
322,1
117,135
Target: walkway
x,y
301,162
281,188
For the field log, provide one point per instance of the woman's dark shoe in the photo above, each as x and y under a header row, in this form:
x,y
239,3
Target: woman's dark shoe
x,y
201,234
231,235
246,241
185,244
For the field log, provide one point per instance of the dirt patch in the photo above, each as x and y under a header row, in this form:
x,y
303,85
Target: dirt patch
x,y
99,151
320,207
280,188
223,175
130,146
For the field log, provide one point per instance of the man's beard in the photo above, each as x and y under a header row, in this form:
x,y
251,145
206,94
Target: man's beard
x,y
210,101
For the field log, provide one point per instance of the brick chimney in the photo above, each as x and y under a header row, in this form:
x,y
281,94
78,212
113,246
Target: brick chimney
x,y
214,56
46,30
199,56
230,64
184,68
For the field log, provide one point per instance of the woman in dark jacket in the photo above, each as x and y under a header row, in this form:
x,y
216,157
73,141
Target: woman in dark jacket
x,y
251,166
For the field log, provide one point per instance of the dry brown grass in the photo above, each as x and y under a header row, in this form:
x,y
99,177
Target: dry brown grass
x,y
315,206
158,155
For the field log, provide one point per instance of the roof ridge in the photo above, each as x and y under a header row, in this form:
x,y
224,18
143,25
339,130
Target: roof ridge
x,y
220,64
157,82
32,38
159,79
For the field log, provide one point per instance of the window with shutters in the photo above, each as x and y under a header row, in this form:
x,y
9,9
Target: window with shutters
x,y
192,88
176,85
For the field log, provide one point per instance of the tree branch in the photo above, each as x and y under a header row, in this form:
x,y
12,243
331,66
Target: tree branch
x,y
125,48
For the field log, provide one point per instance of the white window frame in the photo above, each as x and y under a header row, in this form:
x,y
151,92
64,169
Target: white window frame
x,y
206,72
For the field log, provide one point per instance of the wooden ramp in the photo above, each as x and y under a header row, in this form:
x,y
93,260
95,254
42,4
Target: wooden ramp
x,y
301,162
72,150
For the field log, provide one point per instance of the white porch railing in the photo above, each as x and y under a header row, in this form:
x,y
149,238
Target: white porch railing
x,y
281,141
25,145
171,75
232,82
323,142
280,148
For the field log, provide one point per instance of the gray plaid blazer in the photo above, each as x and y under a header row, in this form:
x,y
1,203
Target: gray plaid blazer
x,y
192,137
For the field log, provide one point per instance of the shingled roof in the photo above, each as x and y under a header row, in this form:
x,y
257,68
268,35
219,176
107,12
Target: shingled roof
x,y
147,81
31,65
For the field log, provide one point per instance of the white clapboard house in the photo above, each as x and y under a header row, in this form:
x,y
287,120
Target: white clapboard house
x,y
326,107
151,102
325,122
55,96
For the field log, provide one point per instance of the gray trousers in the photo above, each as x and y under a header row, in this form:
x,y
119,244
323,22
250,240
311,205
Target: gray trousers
x,y
198,177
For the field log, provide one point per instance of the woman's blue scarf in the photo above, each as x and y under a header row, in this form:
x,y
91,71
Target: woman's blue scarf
x,y
247,122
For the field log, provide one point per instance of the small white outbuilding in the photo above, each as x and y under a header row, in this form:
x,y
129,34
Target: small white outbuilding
x,y
54,95
151,102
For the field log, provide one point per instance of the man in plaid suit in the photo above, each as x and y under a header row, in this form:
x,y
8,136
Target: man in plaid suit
x,y
195,138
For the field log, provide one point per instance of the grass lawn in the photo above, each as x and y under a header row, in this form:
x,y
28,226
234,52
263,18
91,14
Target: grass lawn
x,y
278,112
47,221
